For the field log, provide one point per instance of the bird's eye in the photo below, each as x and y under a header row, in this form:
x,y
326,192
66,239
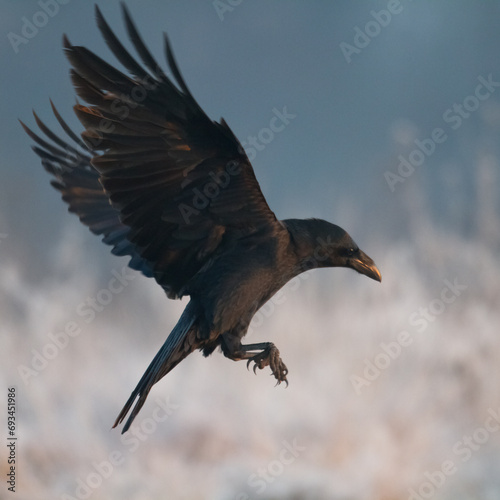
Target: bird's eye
x,y
350,252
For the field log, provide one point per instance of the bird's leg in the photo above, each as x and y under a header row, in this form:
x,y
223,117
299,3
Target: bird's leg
x,y
269,355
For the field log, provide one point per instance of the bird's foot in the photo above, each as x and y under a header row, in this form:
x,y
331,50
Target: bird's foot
x,y
270,357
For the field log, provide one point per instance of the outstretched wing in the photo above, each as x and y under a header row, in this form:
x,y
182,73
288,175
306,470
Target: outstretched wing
x,y
78,182
180,181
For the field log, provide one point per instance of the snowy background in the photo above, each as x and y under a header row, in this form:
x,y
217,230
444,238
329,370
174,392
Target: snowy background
x,y
395,387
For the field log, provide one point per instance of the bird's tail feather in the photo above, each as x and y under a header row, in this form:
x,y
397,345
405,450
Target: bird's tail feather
x,y
180,343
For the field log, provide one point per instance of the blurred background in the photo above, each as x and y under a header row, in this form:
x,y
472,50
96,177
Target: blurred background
x,y
395,387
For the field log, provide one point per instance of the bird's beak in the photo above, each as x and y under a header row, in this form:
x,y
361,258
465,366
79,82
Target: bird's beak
x,y
364,265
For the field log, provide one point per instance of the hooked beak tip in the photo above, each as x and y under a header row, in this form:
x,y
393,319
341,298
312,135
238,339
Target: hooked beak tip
x,y
366,266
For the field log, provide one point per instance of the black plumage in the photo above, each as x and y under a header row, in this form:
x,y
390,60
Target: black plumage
x,y
175,191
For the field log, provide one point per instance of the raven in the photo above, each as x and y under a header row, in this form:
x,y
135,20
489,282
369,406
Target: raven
x,y
176,192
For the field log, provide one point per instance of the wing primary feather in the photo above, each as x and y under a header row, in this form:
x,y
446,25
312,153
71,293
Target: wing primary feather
x,y
67,129
120,52
57,140
52,149
174,68
141,48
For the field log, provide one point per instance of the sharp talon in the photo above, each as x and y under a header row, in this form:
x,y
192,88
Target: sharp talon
x,y
270,357
248,364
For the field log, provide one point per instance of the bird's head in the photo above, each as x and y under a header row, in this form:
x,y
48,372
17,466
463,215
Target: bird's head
x,y
323,244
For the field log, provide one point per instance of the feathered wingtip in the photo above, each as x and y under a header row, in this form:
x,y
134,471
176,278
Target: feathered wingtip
x,y
124,56
66,43
56,140
173,66
140,46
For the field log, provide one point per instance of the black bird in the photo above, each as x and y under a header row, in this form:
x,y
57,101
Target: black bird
x,y
176,192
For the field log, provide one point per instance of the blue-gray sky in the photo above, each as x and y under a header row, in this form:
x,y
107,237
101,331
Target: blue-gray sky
x,y
353,113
